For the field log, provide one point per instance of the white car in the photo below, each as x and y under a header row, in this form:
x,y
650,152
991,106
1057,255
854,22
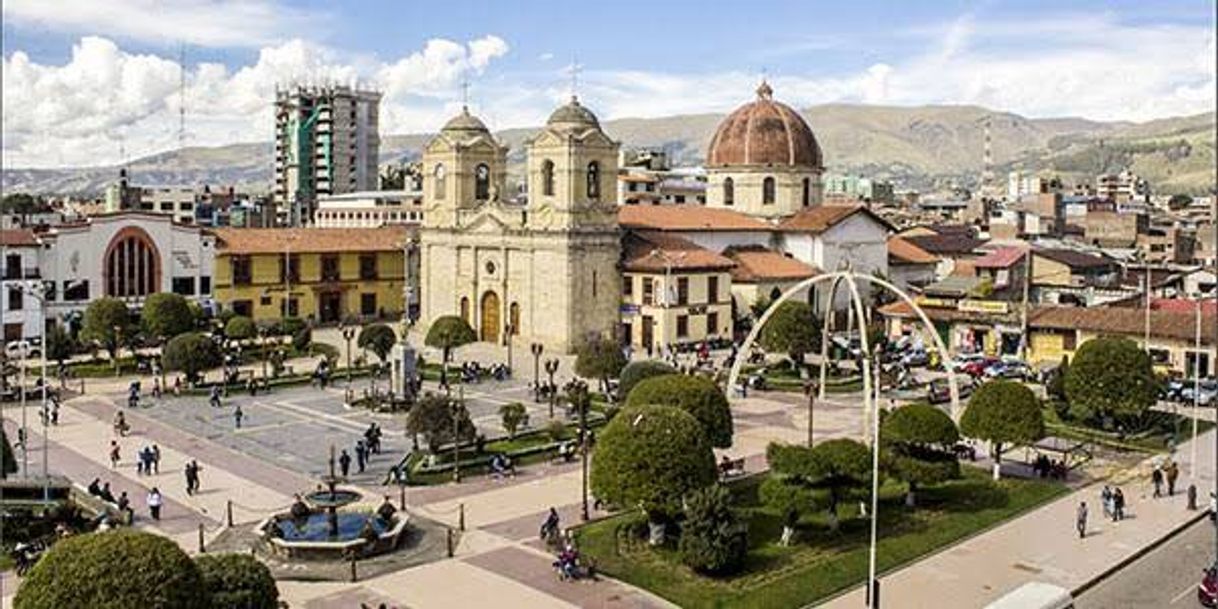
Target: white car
x,y
958,363
20,349
1205,397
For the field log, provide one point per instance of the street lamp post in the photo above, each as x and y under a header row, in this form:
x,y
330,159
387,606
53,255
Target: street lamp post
x,y
536,349
551,368
456,409
348,334
262,332
118,345
508,331
580,400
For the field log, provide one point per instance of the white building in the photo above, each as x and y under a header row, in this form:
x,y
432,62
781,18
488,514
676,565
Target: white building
x,y
369,209
175,201
20,255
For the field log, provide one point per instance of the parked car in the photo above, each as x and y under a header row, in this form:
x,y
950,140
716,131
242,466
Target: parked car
x,y
1206,397
977,368
940,392
915,358
1006,369
21,349
960,361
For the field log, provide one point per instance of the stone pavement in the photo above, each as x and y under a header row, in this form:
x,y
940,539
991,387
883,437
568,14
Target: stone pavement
x,y
1044,546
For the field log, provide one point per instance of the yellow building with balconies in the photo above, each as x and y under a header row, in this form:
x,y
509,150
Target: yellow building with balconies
x,y
324,275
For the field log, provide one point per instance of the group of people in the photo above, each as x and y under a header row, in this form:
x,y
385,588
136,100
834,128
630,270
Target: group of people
x,y
1168,473
122,502
567,561
1045,467
192,477
1113,501
148,460
501,465
49,413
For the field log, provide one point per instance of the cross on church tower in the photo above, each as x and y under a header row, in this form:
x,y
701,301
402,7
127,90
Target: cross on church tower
x,y
575,70
465,93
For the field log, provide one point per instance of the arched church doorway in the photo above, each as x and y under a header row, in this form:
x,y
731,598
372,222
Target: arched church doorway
x,y
490,317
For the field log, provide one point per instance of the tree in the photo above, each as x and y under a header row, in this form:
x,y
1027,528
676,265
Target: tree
x,y
713,538
191,354
113,570
240,327
59,344
600,358
448,332
1179,201
436,418
637,371
108,323
1056,387
379,339
696,395
8,463
919,439
237,581
23,204
793,330
1003,413
651,457
835,465
1111,378
514,416
166,315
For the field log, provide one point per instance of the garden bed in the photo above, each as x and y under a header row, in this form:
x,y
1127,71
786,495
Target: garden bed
x,y
821,563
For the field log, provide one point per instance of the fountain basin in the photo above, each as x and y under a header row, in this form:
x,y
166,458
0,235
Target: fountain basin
x,y
310,539
332,499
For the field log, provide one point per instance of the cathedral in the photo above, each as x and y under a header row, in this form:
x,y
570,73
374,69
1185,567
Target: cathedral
x,y
543,272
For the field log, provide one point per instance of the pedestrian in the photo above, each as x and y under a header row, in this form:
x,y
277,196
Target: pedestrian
x,y
156,388
106,494
238,415
1082,519
114,453
55,410
361,455
177,386
156,459
1156,477
1192,497
215,396
1118,504
1173,473
141,457
120,424
1106,501
344,462
192,477
154,503
123,502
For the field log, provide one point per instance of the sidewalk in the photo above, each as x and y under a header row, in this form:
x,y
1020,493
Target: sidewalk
x,y
1044,546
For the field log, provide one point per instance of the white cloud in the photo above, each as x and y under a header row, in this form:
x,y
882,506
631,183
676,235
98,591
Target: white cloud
x,y
213,23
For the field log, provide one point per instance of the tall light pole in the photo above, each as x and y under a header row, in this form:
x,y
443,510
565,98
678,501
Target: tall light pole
x,y
348,333
536,349
456,410
508,330
580,399
551,368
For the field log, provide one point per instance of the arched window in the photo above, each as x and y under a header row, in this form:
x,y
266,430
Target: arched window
x,y
441,180
807,196
767,191
132,264
547,178
465,308
482,182
729,192
514,318
594,180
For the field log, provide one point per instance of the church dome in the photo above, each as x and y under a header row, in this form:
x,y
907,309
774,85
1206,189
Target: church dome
x,y
764,132
465,124
573,116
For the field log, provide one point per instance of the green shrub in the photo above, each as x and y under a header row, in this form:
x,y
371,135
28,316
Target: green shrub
x,y
714,540
290,326
240,327
191,353
1111,379
1003,413
513,416
237,581
117,569
166,315
599,358
919,440
324,350
379,339
636,371
449,332
792,329
696,395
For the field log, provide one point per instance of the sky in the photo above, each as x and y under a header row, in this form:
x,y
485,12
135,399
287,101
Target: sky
x,y
91,82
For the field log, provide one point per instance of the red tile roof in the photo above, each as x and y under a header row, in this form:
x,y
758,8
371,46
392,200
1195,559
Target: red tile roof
x,y
1124,321
1001,258
756,263
18,237
309,240
820,218
901,251
657,252
686,218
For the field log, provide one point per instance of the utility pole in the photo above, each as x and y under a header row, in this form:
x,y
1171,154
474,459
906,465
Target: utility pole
x,y
1027,289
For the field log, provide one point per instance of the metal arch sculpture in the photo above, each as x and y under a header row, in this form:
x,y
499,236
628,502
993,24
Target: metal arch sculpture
x,y
850,277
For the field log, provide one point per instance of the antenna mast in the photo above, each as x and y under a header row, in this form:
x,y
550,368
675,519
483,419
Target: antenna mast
x,y
987,173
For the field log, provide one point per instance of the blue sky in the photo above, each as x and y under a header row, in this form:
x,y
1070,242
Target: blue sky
x,y
86,78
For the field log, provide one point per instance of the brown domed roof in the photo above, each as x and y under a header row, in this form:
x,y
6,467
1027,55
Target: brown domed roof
x,y
465,124
573,116
764,132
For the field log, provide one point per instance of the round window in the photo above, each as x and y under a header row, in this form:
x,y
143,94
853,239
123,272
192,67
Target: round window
x,y
490,267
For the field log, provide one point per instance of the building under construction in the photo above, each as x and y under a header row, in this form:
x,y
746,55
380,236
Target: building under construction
x,y
326,142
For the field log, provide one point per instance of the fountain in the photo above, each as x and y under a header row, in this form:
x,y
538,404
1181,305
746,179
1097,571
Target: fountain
x,y
315,528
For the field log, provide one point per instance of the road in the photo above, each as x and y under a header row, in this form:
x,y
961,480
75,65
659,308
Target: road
x,y
1166,577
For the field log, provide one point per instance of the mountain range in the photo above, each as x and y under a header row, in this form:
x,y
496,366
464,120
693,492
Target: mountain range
x,y
923,147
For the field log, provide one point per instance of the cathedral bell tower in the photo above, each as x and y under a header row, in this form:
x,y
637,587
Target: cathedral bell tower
x,y
572,172
463,167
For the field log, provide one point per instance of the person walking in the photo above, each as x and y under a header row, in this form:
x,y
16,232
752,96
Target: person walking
x,y
156,459
1082,519
1118,504
344,463
1156,477
215,396
1172,474
238,414
154,503
361,456
1106,501
114,456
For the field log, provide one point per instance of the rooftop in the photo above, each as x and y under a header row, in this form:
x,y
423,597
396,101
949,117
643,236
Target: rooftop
x,y
901,251
686,218
1001,258
947,244
1172,325
309,240
658,252
18,237
820,218
1074,259
755,263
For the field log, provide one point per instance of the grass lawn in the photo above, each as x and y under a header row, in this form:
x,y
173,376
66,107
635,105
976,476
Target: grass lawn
x,y
821,563
1166,429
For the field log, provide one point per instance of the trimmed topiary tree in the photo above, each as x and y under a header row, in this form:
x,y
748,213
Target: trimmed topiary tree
x,y
191,354
793,330
1111,379
447,333
108,323
237,581
714,540
1003,413
835,465
637,371
116,569
513,417
59,344
433,417
696,395
379,339
166,315
601,359
240,327
919,440
651,457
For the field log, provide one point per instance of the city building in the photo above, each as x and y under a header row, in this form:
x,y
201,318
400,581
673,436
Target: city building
x,y
839,187
1055,332
910,266
326,142
177,202
1065,276
764,160
1006,271
762,275
673,292
546,271
324,275
1121,187
21,253
369,209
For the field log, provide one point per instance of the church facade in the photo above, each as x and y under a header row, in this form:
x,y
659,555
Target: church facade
x,y
545,271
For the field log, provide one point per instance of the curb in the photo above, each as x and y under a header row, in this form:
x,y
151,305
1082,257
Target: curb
x,y
1143,551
